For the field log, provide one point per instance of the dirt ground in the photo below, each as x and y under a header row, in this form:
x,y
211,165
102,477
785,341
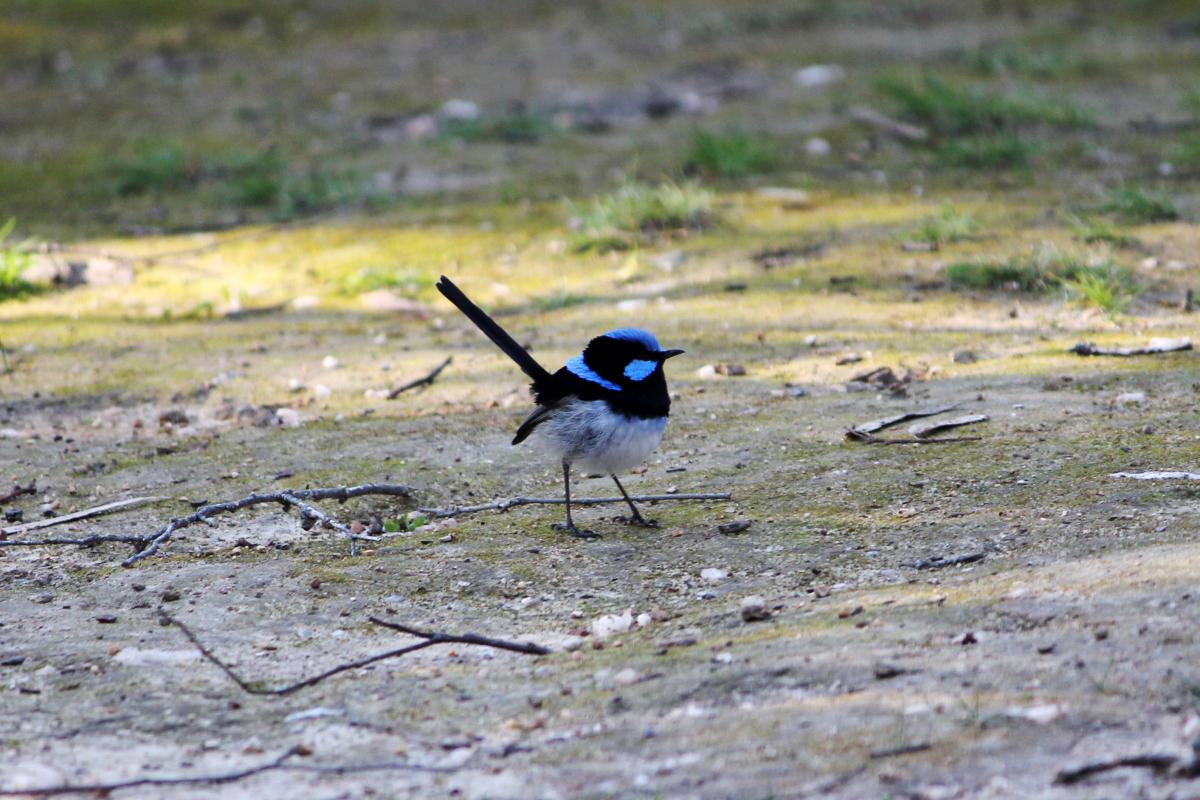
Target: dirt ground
x,y
236,361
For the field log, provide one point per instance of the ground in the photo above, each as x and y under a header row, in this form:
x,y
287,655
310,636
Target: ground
x,y
232,338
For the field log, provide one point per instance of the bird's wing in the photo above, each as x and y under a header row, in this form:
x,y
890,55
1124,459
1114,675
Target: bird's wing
x,y
539,415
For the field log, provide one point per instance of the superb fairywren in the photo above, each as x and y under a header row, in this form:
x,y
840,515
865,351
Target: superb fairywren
x,y
606,410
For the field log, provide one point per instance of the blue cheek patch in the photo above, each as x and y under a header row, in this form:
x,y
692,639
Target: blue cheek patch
x,y
579,368
638,370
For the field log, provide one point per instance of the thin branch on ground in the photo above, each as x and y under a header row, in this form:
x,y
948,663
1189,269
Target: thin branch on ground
x,y
19,490
310,515
1157,476
940,562
901,750
86,513
436,637
424,381
865,430
286,498
513,502
87,541
277,763
1159,762
430,639
868,439
1155,347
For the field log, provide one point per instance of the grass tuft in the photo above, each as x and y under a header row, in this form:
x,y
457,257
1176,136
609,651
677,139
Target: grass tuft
x,y
1091,230
1108,287
1104,285
14,260
516,126
1004,151
618,220
372,278
160,166
733,154
1135,206
949,110
944,227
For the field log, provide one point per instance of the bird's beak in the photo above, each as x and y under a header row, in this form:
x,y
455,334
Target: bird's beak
x,y
665,354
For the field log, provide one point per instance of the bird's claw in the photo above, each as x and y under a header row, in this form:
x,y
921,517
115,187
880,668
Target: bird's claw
x,y
578,533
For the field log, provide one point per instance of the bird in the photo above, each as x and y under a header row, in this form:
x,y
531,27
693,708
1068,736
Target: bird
x,y
605,410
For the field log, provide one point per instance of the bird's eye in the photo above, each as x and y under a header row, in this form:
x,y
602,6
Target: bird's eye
x,y
639,369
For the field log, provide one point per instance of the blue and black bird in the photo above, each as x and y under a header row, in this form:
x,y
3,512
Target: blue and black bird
x,y
605,411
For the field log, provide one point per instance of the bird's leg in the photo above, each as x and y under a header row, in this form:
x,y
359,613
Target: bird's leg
x,y
570,523
636,517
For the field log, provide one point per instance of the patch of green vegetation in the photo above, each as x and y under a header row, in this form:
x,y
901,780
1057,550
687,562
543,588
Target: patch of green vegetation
x,y
14,260
562,300
516,126
263,180
1185,155
1093,231
616,221
1106,285
732,154
950,110
1041,63
1135,205
1004,151
946,226
1189,99
153,166
373,278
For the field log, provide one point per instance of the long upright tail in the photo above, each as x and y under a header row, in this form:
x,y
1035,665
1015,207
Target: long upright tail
x,y
493,331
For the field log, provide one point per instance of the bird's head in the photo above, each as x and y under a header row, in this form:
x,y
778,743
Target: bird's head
x,y
625,358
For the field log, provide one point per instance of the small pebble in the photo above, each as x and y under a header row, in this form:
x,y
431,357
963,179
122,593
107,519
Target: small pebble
x,y
737,526
106,619
330,362
170,595
713,575
754,608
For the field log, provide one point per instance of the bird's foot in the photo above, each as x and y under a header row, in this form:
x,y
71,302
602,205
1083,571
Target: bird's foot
x,y
637,521
578,533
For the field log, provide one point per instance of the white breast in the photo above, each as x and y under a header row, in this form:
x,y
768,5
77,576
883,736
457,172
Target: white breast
x,y
590,435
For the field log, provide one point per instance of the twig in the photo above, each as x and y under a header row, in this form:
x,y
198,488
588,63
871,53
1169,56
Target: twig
x,y
940,562
425,381
311,514
96,511
289,497
430,639
1154,347
927,430
877,119
1159,762
277,763
901,750
87,541
1158,476
19,490
863,432
528,648
868,439
513,502
105,788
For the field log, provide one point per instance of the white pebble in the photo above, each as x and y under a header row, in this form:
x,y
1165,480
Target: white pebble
x,y
330,362
713,575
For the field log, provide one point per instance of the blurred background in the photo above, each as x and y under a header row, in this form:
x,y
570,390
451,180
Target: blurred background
x,y
130,117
